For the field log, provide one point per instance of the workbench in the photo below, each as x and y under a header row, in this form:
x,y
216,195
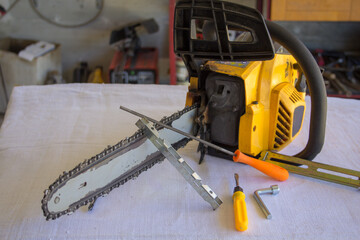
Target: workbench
x,y
50,129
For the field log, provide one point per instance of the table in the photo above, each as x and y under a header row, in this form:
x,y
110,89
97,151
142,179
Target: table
x,y
50,129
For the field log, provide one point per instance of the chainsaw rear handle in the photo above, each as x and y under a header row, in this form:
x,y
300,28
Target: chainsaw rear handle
x,y
316,86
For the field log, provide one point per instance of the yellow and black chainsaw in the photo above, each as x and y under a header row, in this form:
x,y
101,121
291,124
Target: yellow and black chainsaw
x,y
242,95
252,97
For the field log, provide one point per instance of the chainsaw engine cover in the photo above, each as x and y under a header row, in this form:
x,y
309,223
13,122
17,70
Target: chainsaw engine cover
x,y
266,111
226,105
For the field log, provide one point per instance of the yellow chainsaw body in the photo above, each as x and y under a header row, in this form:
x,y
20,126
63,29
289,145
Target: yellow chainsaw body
x,y
274,109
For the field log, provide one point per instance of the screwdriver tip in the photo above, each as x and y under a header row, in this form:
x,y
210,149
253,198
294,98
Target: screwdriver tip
x,y
236,179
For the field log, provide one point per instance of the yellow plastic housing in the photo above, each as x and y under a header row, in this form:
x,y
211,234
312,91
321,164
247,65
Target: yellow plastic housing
x,y
269,89
192,94
286,115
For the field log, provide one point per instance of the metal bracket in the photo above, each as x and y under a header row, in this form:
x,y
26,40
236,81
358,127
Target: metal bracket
x,y
313,169
178,162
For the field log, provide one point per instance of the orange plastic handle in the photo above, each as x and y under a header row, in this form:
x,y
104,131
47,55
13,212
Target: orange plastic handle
x,y
269,169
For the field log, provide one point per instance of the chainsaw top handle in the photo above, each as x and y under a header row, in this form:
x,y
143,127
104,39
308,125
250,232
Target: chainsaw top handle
x,y
315,84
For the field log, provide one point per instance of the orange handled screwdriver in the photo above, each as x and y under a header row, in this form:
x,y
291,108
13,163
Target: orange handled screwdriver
x,y
269,169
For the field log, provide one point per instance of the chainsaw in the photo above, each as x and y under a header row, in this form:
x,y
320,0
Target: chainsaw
x,y
245,93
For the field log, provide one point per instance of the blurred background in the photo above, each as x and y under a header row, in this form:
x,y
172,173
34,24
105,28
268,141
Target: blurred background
x,y
115,41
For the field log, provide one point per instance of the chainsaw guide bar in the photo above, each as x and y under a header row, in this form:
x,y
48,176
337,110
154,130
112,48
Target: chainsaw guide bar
x,y
79,186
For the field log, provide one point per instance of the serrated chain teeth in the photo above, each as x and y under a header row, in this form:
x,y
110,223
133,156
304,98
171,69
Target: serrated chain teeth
x,y
99,158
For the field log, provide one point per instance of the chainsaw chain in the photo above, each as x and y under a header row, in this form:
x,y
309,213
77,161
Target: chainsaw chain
x,y
108,152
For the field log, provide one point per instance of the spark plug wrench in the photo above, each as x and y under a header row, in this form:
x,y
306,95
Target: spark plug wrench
x,y
274,190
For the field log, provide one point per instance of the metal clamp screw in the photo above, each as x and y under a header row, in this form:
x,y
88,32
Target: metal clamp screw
x,y
274,189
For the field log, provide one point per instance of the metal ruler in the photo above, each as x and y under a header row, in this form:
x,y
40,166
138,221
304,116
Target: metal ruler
x,y
179,163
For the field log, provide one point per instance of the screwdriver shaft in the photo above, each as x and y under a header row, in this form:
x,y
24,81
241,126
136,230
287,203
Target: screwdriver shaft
x,y
178,131
236,179
267,168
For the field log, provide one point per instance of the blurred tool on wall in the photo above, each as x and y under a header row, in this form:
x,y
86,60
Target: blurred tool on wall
x,y
81,73
97,75
341,72
131,63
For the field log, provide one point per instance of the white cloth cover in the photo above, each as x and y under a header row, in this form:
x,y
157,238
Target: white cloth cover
x,y
50,129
